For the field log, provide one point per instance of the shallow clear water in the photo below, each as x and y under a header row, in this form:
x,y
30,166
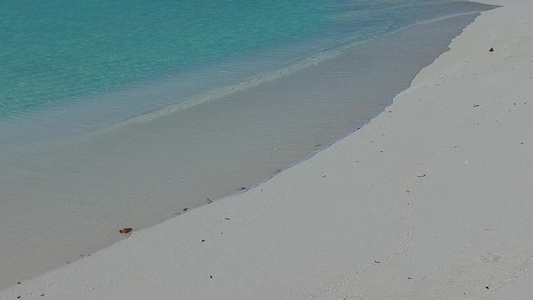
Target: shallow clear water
x,y
58,50
120,59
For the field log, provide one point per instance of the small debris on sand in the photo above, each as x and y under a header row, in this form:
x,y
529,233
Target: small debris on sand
x,y
126,230
491,50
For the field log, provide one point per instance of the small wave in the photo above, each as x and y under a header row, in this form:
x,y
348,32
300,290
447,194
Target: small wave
x,y
301,64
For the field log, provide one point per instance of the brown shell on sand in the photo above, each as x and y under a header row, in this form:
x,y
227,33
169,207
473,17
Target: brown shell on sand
x,y
126,230
491,50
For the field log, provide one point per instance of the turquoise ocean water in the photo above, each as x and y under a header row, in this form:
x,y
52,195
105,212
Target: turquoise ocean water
x,y
59,51
84,65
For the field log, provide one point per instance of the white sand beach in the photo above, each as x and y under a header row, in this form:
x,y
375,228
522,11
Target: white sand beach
x,y
430,200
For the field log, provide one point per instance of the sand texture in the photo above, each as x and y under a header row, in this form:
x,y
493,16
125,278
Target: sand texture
x,y
431,200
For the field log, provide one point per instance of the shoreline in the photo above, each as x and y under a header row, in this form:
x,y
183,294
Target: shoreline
x,y
79,194
399,198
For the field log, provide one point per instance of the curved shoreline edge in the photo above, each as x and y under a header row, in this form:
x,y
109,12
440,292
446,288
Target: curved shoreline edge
x,y
430,199
79,193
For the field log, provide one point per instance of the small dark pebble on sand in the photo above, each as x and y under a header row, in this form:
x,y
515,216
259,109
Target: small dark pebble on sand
x,y
185,209
210,276
227,219
243,188
19,282
126,230
203,241
18,297
476,105
487,287
420,176
377,261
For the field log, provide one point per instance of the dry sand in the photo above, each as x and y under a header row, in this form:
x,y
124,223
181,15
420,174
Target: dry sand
x,y
430,200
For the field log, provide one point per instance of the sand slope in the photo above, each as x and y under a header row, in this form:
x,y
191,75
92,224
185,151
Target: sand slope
x,y
431,200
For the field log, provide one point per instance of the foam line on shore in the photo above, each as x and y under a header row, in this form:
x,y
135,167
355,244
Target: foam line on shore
x,y
301,64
